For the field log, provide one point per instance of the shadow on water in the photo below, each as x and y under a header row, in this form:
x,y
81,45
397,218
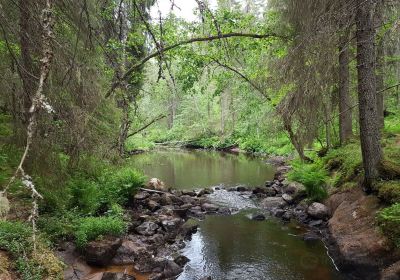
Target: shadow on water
x,y
183,169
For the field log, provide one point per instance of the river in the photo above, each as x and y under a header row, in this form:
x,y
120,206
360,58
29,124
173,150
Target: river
x,y
236,247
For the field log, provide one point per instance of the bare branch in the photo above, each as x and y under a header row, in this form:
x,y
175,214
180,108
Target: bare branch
x,y
186,42
160,117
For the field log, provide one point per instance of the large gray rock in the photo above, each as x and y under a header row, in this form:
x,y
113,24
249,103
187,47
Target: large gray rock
x,y
147,228
101,252
273,202
318,211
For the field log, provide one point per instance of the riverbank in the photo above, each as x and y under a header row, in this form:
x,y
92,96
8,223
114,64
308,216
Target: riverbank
x,y
346,222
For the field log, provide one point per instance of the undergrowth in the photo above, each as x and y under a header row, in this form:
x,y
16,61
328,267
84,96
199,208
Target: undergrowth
x,y
389,221
313,176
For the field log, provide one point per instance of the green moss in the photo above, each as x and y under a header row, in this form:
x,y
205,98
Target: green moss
x,y
389,222
389,191
346,162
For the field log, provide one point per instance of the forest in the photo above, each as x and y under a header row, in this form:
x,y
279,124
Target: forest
x,y
98,96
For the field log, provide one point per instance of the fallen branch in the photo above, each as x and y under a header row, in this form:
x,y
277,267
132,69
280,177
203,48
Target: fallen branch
x,y
146,125
151,191
186,42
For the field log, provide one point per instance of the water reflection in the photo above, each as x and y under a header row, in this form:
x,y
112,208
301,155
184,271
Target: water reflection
x,y
193,169
236,247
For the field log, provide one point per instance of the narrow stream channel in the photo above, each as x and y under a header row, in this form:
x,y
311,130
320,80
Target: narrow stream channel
x,y
235,247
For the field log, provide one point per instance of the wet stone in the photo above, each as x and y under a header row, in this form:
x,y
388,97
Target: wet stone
x,y
141,195
147,228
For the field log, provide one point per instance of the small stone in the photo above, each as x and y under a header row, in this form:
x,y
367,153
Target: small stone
x,y
273,202
287,216
279,213
288,198
147,228
224,211
268,183
315,223
310,236
171,225
241,189
141,195
209,207
257,217
153,206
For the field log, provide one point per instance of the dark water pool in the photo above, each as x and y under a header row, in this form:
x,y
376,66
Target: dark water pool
x,y
235,247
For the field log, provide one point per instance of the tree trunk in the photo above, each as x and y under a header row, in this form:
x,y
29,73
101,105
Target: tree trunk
x,y
295,142
124,128
369,127
28,71
345,111
380,63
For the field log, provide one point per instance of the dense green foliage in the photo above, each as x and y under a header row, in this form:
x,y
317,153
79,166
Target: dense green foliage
x,y
92,228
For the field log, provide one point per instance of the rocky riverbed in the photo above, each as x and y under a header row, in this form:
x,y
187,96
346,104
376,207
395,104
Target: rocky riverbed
x,y
161,222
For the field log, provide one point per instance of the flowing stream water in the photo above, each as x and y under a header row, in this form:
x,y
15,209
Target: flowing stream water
x,y
236,247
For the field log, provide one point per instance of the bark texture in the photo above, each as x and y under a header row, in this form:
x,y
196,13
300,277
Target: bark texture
x,y
367,94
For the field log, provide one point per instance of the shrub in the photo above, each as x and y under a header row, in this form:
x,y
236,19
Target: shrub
x,y
85,195
389,221
59,226
118,185
92,228
313,177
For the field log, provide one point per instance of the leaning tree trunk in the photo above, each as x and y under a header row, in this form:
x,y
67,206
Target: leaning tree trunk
x,y
345,112
367,94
